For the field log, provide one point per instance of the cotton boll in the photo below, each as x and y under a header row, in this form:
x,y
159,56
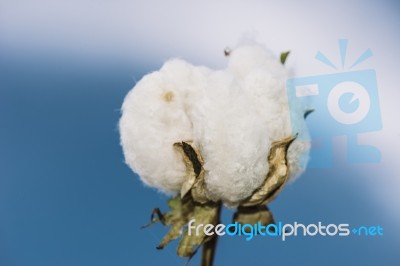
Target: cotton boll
x,y
233,116
232,139
154,117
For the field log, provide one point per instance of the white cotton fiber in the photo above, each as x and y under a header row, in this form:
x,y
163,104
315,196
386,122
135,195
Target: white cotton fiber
x,y
264,79
154,116
233,116
232,139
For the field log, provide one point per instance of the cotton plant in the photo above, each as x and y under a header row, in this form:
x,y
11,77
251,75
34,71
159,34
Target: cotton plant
x,y
214,137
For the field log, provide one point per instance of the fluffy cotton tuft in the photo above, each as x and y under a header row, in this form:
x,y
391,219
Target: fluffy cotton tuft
x,y
154,116
232,116
232,139
263,78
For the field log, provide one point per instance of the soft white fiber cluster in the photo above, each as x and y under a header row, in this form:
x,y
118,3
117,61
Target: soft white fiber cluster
x,y
154,117
231,136
232,116
263,78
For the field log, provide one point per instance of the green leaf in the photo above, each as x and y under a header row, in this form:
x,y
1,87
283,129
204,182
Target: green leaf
x,y
284,56
308,112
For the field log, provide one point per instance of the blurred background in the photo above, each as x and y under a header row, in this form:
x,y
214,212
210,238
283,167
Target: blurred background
x,y
66,196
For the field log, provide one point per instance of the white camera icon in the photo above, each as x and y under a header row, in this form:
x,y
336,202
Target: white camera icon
x,y
345,103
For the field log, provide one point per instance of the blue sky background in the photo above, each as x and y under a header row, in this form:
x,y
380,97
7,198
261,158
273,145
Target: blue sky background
x,y
66,196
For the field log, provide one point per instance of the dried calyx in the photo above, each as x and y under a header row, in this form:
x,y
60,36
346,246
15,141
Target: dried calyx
x,y
272,185
193,202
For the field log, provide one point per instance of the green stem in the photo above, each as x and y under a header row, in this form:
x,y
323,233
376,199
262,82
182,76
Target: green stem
x,y
209,247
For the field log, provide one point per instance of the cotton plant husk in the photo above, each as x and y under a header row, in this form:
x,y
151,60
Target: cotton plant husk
x,y
192,203
182,210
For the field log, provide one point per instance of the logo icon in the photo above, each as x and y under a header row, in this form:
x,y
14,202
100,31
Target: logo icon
x,y
344,103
